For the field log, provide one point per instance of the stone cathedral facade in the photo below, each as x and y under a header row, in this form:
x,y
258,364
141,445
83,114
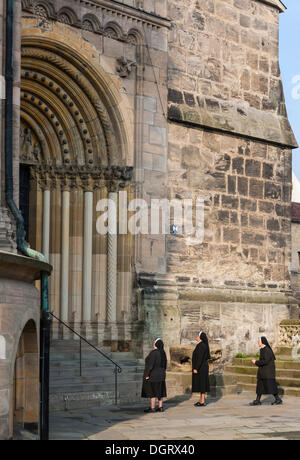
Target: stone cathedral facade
x,y
155,99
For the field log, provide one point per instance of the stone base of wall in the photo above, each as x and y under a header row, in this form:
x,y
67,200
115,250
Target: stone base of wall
x,y
233,317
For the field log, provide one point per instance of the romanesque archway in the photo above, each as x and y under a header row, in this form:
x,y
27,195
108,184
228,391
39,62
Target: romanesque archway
x,y
73,142
25,394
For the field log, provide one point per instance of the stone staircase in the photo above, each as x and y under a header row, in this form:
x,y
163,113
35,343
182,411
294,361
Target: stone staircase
x,y
69,391
96,386
287,373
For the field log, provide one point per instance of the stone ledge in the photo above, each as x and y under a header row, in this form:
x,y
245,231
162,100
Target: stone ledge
x,y
21,268
233,296
275,3
253,123
290,322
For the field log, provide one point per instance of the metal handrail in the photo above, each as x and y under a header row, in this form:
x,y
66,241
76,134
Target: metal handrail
x,y
117,369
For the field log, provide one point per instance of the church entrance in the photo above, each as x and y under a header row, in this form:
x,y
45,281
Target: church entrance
x,y
73,154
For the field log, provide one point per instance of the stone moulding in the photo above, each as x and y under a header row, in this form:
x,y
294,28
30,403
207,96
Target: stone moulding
x,y
275,3
221,295
229,295
88,179
256,124
16,267
111,7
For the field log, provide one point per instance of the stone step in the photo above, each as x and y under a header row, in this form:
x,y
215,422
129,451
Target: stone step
x,y
284,373
73,363
74,348
280,363
90,379
287,391
91,352
85,387
284,351
64,401
282,381
57,372
77,397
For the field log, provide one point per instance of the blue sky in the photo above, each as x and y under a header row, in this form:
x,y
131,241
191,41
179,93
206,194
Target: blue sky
x,y
290,68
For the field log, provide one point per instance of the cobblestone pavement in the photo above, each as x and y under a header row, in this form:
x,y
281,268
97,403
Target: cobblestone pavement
x,y
230,418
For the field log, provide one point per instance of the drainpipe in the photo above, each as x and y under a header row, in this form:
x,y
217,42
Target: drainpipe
x,y
21,244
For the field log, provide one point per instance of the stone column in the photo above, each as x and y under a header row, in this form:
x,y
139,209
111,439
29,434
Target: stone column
x,y
112,252
112,256
46,223
87,256
65,254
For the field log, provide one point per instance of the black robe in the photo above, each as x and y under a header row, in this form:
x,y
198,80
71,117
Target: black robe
x,y
266,383
155,386
200,363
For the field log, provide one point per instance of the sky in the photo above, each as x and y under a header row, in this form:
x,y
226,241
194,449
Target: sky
x,y
290,69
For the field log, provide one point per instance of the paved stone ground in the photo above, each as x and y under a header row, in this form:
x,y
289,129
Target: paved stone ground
x,y
230,418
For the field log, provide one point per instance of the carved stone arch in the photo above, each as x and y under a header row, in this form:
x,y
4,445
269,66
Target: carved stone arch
x,y
39,6
80,92
91,22
35,119
68,16
113,30
135,37
26,4
39,133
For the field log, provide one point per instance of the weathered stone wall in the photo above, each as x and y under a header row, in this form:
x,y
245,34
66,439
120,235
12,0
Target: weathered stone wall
x,y
223,67
247,190
158,7
295,262
229,142
19,304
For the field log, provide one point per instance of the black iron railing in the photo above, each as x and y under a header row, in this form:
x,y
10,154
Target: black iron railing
x,y
117,368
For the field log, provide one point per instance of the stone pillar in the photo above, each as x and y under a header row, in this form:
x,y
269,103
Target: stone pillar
x,y
87,256
46,223
65,254
112,254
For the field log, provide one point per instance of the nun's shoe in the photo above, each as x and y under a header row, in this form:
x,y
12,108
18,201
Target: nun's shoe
x,y
149,411
160,409
255,403
278,402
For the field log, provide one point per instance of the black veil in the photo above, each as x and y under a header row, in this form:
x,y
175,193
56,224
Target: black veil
x,y
160,346
204,339
265,342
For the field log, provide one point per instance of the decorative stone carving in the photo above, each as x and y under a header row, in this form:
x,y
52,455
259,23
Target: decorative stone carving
x,y
288,330
89,179
29,146
181,357
125,67
87,25
46,10
111,33
64,19
107,148
40,11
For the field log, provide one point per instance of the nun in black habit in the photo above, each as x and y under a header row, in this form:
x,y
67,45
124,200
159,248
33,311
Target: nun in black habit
x,y
266,375
154,381
200,366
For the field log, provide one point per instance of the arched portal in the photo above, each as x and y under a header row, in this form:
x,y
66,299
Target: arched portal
x,y
25,394
73,140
